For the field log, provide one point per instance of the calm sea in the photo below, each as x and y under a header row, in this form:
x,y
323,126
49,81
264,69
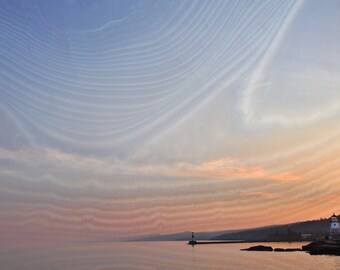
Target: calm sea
x,y
160,255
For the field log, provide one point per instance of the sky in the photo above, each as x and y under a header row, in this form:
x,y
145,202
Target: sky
x,y
128,118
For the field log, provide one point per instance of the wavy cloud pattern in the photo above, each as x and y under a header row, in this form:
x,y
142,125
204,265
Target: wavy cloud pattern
x,y
121,118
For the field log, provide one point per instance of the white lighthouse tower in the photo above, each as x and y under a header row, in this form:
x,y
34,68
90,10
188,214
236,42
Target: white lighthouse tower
x,y
334,228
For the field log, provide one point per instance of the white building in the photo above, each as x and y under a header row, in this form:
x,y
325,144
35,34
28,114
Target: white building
x,y
334,227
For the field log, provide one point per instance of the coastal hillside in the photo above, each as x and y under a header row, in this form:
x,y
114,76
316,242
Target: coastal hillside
x,y
306,230
184,236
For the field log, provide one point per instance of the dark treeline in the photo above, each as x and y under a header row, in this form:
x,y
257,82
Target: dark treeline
x,y
307,230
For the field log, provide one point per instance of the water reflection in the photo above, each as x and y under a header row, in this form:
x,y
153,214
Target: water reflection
x,y
160,255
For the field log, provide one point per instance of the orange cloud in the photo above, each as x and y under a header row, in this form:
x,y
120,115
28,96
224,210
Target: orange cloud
x,y
260,194
228,168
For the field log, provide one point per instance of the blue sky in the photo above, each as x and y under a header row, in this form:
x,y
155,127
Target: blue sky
x,y
124,118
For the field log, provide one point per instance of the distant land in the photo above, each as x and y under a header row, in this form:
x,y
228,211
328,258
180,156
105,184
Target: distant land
x,y
299,231
182,236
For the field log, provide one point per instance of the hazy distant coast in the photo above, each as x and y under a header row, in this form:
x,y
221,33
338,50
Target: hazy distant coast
x,y
294,232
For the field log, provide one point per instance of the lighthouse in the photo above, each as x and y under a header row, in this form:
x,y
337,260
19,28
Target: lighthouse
x,y
334,227
192,241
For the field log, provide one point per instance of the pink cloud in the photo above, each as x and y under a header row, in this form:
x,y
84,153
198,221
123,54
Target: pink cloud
x,y
260,194
229,168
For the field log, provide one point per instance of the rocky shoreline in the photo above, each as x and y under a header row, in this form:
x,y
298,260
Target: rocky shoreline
x,y
269,248
321,247
324,247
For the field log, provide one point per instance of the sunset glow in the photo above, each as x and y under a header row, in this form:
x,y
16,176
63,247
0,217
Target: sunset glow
x,y
154,117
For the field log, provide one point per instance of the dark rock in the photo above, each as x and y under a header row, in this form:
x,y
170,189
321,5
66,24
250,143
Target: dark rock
x,y
314,244
308,247
259,248
293,249
325,250
287,249
323,247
